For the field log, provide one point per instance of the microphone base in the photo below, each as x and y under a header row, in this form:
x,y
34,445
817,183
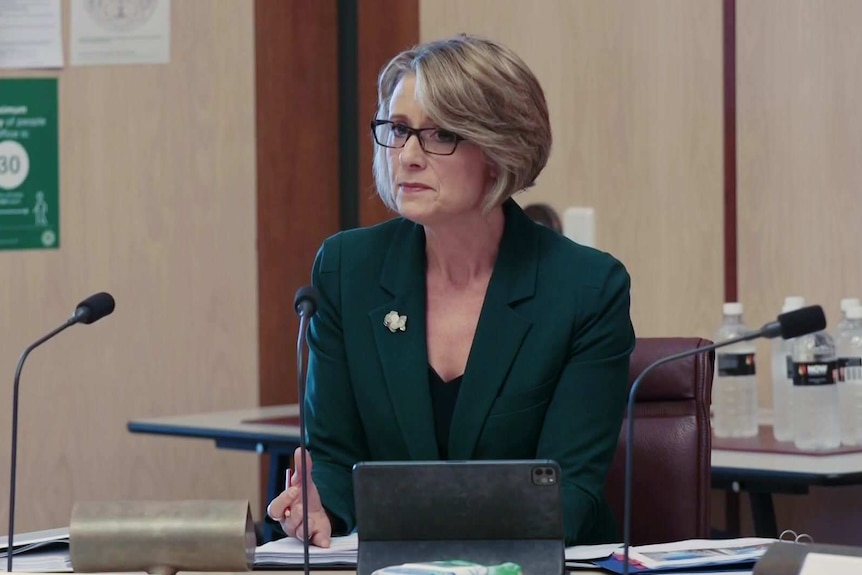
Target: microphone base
x,y
161,536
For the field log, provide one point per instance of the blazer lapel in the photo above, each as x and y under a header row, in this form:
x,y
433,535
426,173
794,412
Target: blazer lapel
x,y
403,354
500,332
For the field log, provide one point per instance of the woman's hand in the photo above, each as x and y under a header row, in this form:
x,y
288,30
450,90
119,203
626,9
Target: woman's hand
x,y
287,507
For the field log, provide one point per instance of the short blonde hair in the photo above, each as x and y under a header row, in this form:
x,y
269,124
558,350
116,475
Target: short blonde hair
x,y
485,93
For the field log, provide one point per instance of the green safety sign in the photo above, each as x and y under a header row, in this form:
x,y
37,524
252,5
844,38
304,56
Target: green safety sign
x,y
29,165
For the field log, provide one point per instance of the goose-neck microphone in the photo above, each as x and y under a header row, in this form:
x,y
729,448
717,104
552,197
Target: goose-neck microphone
x,y
88,311
789,325
305,304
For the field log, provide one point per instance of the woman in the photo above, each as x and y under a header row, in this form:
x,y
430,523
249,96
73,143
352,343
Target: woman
x,y
462,330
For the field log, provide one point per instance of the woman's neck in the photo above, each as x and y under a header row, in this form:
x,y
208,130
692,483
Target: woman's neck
x,y
460,252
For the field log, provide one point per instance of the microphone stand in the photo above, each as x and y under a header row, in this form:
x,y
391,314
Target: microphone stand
x,y
69,323
88,311
627,510
303,326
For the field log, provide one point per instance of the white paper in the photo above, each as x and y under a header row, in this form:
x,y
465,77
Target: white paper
x,y
120,32
590,552
825,564
50,561
712,571
30,34
40,551
289,551
697,552
59,534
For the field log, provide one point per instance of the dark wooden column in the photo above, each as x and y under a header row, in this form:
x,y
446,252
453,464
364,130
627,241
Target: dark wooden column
x,y
297,170
730,175
297,173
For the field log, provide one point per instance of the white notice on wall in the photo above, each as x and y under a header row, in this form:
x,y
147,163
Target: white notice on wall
x,y
120,32
30,34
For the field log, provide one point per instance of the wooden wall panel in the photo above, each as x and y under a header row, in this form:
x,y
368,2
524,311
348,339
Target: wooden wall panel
x,y
157,176
800,188
731,251
297,170
297,174
635,94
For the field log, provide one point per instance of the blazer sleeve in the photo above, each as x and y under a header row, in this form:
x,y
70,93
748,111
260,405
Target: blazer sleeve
x,y
583,420
335,433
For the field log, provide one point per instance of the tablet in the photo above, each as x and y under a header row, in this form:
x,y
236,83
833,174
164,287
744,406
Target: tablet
x,y
489,512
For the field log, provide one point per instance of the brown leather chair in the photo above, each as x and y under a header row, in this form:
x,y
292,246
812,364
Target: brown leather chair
x,y
672,444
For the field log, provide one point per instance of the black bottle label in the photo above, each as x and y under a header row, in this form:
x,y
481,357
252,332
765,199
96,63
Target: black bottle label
x,y
734,364
790,365
815,373
844,362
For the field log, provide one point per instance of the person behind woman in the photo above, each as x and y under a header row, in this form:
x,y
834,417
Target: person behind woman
x,y
462,329
545,215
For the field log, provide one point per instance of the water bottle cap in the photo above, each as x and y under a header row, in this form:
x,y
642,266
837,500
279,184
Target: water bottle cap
x,y
849,302
854,312
793,302
732,308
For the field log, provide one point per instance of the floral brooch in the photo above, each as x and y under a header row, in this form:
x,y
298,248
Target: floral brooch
x,y
395,322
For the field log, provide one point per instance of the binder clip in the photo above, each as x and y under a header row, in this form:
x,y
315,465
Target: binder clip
x,y
793,537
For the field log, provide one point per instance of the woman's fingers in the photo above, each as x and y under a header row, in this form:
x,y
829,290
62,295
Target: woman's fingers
x,y
287,507
298,465
319,529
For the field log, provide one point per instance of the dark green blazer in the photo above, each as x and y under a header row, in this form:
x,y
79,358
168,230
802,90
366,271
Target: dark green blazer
x,y
546,376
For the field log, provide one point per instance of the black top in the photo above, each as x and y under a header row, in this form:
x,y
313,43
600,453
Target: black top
x,y
443,397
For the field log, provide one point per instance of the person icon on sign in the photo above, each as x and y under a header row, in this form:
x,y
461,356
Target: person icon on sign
x,y
40,209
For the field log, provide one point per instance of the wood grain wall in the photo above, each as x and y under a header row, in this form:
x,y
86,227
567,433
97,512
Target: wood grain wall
x,y
800,189
635,95
157,177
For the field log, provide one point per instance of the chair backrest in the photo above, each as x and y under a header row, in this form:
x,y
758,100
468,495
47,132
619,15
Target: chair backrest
x,y
672,445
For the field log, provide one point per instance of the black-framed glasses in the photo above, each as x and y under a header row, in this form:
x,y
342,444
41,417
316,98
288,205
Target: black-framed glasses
x,y
435,141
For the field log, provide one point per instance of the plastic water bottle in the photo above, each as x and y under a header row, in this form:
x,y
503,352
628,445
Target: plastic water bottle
x,y
815,395
846,304
734,388
849,347
782,378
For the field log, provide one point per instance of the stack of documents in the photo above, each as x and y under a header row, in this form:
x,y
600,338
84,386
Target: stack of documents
x,y
681,557
288,552
42,551
691,556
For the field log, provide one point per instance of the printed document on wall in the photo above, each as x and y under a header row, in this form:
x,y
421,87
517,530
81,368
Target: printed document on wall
x,y
105,32
30,34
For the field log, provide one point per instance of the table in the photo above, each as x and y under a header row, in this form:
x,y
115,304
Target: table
x,y
759,466
273,430
762,466
316,571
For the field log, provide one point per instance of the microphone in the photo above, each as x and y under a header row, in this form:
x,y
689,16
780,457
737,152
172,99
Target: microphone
x,y
795,323
789,325
88,311
94,308
305,304
305,301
